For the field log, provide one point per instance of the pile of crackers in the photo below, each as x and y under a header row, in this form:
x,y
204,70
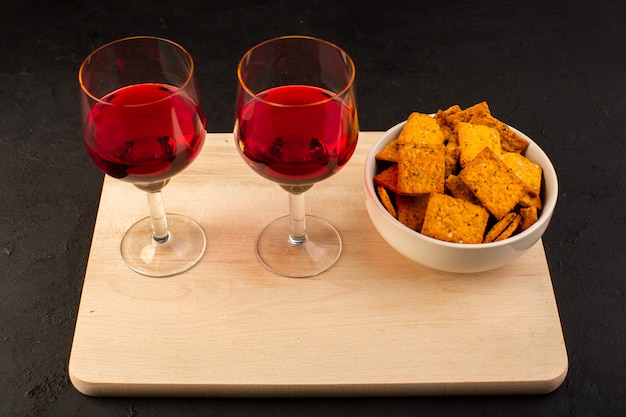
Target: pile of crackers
x,y
459,176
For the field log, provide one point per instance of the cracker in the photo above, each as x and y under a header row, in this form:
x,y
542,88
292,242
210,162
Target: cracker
x,y
419,128
451,116
481,115
493,183
421,168
529,172
510,230
452,152
388,178
458,189
384,198
411,210
529,216
504,228
448,134
474,138
389,152
453,220
529,200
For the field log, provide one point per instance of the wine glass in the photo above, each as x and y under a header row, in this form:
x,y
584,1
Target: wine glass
x,y
143,123
296,124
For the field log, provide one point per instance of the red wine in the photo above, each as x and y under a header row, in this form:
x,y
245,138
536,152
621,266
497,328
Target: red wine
x,y
144,133
296,134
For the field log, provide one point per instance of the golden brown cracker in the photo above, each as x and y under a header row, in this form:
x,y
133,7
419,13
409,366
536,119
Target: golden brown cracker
x,y
510,230
503,228
457,188
389,152
453,220
411,210
511,141
477,112
419,128
493,183
481,115
529,172
529,216
388,178
529,200
452,152
421,168
448,134
474,138
451,116
386,200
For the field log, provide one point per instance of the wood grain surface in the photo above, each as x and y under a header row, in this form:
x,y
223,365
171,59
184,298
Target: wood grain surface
x,y
375,324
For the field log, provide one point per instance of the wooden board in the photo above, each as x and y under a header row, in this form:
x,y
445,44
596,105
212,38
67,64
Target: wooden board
x,y
375,324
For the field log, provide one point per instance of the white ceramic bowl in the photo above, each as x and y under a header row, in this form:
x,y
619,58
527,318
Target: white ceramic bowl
x,y
457,257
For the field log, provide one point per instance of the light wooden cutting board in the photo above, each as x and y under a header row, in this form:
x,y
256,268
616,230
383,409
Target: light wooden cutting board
x,y
374,324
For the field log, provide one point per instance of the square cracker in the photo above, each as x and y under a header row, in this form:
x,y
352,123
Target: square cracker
x,y
421,169
388,178
412,210
474,138
504,228
419,128
457,188
529,172
383,195
451,116
529,217
493,183
529,200
389,152
454,220
480,114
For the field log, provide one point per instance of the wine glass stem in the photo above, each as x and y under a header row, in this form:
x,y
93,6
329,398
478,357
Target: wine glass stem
x,y
160,233
297,225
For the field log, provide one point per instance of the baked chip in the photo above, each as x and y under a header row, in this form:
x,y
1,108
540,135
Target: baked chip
x,y
384,198
452,152
481,115
419,128
458,189
511,141
453,220
389,152
412,210
474,138
531,201
529,217
448,134
504,228
493,183
421,168
526,170
451,116
388,178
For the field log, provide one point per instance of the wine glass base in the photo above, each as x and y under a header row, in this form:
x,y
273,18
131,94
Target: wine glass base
x,y
183,249
318,253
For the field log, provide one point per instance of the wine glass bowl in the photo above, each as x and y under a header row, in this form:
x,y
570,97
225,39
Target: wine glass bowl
x,y
143,123
296,125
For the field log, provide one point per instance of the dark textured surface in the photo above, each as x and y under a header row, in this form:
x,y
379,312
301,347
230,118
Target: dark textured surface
x,y
555,70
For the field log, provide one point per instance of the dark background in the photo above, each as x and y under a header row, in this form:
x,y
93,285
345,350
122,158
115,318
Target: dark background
x,y
554,69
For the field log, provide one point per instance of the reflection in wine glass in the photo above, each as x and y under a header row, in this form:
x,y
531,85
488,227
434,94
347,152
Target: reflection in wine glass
x,y
143,123
296,124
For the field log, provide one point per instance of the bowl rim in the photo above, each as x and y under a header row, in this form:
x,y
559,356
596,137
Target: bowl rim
x,y
549,201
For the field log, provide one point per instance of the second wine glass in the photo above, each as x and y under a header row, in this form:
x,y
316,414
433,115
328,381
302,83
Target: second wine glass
x,y
296,124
